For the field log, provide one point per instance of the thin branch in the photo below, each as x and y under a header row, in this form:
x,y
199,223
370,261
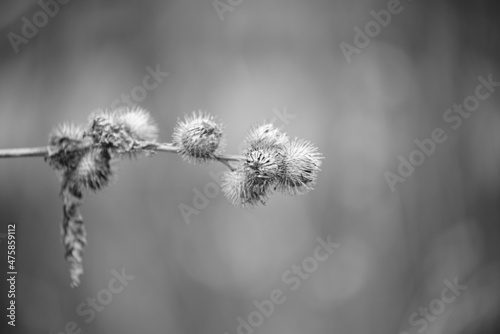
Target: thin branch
x,y
167,147
24,152
226,162
43,151
222,158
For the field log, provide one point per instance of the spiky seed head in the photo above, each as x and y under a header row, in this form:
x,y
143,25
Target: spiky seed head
x,y
65,146
242,191
120,129
95,170
298,167
265,136
233,184
261,169
138,123
65,132
106,131
255,191
251,182
199,137
261,164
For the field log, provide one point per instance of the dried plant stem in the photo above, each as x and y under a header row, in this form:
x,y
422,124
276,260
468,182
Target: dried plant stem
x,y
165,147
24,152
84,158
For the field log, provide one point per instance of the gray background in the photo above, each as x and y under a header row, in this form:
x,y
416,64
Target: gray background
x,y
397,247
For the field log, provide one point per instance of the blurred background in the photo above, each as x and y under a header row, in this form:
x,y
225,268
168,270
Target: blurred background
x,y
246,62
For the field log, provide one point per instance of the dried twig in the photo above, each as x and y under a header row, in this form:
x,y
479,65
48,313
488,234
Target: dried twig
x,y
269,161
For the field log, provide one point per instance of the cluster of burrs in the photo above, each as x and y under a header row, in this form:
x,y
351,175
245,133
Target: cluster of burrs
x,y
87,156
271,162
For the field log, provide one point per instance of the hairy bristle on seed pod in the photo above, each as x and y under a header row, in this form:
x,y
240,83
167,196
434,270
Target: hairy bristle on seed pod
x,y
95,170
261,164
65,131
66,147
106,131
298,167
265,136
242,191
120,130
233,184
138,123
260,168
199,137
251,182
